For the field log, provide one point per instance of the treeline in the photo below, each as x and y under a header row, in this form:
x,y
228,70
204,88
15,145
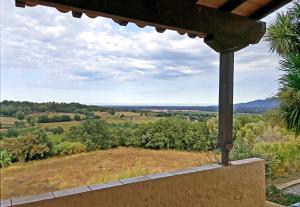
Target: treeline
x,y
12,108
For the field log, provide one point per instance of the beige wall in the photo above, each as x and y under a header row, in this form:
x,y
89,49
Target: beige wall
x,y
240,185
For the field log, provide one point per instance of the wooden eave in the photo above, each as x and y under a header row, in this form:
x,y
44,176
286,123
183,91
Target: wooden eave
x,y
225,24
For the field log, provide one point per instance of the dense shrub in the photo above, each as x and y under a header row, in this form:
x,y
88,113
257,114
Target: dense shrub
x,y
24,149
68,148
19,124
31,120
176,133
56,130
92,132
55,118
77,117
33,146
281,158
20,115
5,158
275,195
245,139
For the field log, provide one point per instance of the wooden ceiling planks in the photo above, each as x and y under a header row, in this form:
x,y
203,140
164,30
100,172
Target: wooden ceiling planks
x,y
256,9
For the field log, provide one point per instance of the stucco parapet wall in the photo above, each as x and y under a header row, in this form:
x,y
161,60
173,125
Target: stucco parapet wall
x,y
240,185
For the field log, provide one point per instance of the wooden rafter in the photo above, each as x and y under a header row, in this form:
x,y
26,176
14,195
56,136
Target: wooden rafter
x,y
180,15
269,8
230,5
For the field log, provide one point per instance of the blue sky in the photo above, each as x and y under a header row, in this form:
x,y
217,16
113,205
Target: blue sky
x,y
50,56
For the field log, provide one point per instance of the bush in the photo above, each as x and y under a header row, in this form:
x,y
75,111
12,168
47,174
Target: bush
x,y
19,124
92,132
20,115
24,149
77,117
282,158
55,118
12,132
68,148
31,120
5,158
176,133
276,196
245,139
56,130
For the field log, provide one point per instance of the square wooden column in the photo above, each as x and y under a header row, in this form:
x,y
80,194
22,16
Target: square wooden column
x,y
226,104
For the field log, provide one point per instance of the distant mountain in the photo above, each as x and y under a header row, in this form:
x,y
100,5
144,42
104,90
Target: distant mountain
x,y
257,106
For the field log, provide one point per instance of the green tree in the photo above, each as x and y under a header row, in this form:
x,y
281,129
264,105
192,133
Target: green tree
x,y
20,115
5,158
77,117
31,120
283,37
92,132
19,124
111,112
283,34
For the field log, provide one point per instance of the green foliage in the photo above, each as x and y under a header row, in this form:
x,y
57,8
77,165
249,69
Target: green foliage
x,y
5,158
175,133
77,117
55,118
111,112
282,158
20,115
68,148
31,120
245,140
11,132
290,108
55,138
92,132
25,148
275,195
56,130
19,124
290,65
283,34
283,37
10,108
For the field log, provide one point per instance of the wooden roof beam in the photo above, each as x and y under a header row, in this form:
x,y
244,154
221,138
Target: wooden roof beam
x,y
269,8
179,15
231,5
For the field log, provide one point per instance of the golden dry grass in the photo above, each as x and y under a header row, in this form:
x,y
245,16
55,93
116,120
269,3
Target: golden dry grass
x,y
7,121
128,116
88,168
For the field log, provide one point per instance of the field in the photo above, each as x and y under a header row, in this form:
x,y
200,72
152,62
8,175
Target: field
x,y
95,167
7,121
65,125
126,116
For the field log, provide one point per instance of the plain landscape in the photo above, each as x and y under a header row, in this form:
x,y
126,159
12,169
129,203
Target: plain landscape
x,y
53,146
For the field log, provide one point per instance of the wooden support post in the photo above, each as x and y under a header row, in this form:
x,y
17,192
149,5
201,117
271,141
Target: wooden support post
x,y
226,104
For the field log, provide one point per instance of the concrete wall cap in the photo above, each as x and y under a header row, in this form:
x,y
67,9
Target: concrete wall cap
x,y
160,175
206,167
184,171
134,180
246,161
5,203
71,191
105,185
31,199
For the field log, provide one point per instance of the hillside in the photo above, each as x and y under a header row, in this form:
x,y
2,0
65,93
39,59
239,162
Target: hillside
x,y
94,167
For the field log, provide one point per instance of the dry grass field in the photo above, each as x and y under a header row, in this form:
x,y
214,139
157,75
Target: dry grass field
x,y
128,116
7,121
93,167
